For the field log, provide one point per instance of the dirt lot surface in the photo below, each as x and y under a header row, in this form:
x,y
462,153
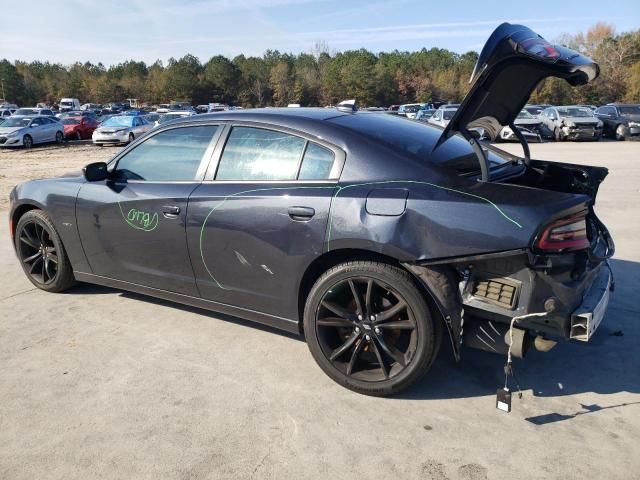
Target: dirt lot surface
x,y
42,161
97,383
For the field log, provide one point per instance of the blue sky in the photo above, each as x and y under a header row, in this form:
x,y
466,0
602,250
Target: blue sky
x,y
111,31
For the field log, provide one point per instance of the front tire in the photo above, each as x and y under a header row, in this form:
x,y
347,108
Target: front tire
x,y
131,137
369,328
41,253
27,142
621,132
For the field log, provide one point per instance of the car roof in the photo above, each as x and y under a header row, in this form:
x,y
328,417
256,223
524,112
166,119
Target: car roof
x,y
283,113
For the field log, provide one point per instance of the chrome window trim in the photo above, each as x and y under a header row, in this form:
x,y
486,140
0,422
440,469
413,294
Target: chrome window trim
x,y
336,170
204,159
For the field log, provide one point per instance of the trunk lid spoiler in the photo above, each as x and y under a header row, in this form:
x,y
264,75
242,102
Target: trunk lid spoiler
x,y
512,63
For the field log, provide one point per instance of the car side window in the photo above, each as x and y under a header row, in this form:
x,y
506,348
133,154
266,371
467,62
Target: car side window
x,y
170,156
36,122
317,163
259,154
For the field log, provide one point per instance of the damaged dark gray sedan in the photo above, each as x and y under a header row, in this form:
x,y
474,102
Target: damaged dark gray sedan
x,y
375,237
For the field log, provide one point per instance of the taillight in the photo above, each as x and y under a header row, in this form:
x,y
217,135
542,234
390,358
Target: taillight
x,y
565,234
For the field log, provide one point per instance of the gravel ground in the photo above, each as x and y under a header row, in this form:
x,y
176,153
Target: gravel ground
x,y
98,383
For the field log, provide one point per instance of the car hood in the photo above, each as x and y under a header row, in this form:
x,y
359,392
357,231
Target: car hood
x,y
512,63
8,130
580,119
111,129
527,121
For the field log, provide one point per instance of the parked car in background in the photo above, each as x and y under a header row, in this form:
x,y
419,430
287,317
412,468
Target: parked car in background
x,y
67,104
217,107
572,123
593,108
18,131
79,127
424,114
5,113
120,129
620,120
534,110
410,110
531,127
173,115
443,115
25,112
152,117
162,108
92,107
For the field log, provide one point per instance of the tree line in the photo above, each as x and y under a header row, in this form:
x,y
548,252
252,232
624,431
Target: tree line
x,y
317,78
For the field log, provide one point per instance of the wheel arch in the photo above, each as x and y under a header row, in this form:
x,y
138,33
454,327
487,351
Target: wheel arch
x,y
334,257
19,211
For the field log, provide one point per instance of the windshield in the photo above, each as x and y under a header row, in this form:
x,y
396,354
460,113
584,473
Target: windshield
x,y
448,113
118,122
71,121
66,104
417,139
26,111
410,108
630,110
575,112
524,114
17,122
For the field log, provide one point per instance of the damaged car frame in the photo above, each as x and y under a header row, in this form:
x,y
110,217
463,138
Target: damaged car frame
x,y
374,237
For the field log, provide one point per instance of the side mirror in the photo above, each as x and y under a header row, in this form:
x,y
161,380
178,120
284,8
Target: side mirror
x,y
95,172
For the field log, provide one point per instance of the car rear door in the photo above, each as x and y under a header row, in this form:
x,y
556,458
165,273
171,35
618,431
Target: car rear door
x,y
260,217
132,226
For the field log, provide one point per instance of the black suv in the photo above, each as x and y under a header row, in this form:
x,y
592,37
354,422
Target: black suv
x,y
620,120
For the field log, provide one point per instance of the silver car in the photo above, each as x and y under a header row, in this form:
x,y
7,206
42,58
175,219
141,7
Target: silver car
x,y
443,115
21,131
47,112
120,129
572,123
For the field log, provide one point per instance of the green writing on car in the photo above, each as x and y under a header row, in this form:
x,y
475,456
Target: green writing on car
x,y
140,219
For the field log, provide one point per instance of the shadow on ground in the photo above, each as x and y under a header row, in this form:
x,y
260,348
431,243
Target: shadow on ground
x,y
609,363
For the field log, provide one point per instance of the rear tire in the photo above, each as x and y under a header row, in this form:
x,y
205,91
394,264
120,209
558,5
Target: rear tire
x,y
41,253
59,137
78,135
378,346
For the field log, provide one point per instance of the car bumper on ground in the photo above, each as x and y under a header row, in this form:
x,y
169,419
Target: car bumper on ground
x,y
587,318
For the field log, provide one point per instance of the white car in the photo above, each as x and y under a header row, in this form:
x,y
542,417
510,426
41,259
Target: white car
x,y
120,129
443,115
410,110
19,131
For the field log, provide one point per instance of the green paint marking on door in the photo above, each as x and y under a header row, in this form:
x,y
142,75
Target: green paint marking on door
x,y
330,218
140,219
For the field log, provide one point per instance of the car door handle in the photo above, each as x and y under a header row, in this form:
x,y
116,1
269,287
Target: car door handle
x,y
170,211
301,213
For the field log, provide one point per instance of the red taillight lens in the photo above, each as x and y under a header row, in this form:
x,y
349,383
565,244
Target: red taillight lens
x,y
540,48
565,234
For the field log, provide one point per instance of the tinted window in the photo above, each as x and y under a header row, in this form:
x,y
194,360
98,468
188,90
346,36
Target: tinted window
x,y
317,163
172,155
258,154
417,139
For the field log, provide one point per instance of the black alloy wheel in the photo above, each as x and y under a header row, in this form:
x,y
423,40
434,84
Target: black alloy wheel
x,y
41,253
59,137
27,141
369,327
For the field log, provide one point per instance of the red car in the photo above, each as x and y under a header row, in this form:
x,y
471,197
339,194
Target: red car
x,y
79,127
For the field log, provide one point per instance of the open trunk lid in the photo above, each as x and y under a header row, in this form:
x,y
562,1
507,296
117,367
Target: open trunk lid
x,y
513,61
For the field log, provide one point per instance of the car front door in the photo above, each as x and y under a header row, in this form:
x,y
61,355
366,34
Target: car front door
x,y
260,218
132,225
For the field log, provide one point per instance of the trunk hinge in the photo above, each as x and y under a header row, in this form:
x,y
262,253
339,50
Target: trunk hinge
x,y
523,142
482,157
